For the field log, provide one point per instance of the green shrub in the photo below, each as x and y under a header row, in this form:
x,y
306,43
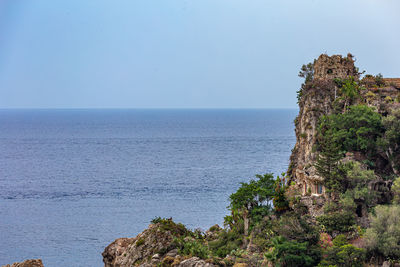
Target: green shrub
x,y
226,242
383,235
340,240
389,143
349,90
139,242
251,202
194,248
396,191
388,99
355,130
294,226
370,96
338,221
291,253
306,72
280,201
343,256
379,80
177,229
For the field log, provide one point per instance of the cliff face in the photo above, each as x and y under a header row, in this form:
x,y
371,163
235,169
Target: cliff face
x,y
317,98
316,101
163,243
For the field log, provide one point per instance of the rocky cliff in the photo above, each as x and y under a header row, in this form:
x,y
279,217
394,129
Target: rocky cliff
x,y
318,96
166,243
155,246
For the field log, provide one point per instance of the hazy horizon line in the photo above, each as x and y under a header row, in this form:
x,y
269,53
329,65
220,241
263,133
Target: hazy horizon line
x,y
143,108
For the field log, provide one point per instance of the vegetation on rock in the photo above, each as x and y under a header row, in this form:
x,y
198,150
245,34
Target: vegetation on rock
x,y
355,132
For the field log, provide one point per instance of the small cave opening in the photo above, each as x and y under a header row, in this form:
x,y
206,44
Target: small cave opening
x,y
359,210
329,71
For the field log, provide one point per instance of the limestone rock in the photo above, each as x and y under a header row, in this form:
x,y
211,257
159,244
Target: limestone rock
x,y
317,99
147,248
115,250
27,263
195,262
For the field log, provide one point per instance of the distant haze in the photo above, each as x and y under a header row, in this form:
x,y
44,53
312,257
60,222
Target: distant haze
x,y
183,53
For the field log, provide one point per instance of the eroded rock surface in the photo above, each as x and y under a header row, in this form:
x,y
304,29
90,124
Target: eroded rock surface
x,y
316,101
27,263
154,246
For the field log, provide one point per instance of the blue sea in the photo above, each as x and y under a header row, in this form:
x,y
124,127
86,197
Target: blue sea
x,y
72,181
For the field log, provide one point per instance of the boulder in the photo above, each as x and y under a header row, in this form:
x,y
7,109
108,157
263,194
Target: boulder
x,y
27,263
148,248
195,262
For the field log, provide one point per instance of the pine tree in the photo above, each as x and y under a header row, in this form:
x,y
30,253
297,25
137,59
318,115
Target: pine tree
x,y
328,164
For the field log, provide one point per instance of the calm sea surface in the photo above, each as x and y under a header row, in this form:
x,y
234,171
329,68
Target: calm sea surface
x,y
72,181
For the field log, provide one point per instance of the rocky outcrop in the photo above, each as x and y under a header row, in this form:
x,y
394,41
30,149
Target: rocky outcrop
x,y
27,263
317,98
143,249
195,262
329,67
316,101
154,246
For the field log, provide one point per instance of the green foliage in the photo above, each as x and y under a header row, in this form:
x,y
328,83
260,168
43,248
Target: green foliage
x,y
357,176
256,193
370,96
347,202
379,80
358,129
383,235
262,233
388,99
226,242
280,201
340,240
253,201
357,180
139,242
349,90
177,229
328,166
306,72
296,227
355,130
337,221
390,141
396,191
290,253
343,256
195,248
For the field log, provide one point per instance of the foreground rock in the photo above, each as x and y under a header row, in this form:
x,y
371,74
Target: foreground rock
x,y
27,263
154,246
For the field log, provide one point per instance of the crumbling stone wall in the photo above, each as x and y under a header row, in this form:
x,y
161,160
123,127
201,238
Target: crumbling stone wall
x,y
336,66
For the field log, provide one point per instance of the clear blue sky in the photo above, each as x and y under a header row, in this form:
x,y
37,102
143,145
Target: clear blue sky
x,y
182,53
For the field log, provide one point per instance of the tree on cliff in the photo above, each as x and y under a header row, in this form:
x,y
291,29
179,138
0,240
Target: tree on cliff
x,y
390,142
253,199
328,166
306,72
358,129
349,91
